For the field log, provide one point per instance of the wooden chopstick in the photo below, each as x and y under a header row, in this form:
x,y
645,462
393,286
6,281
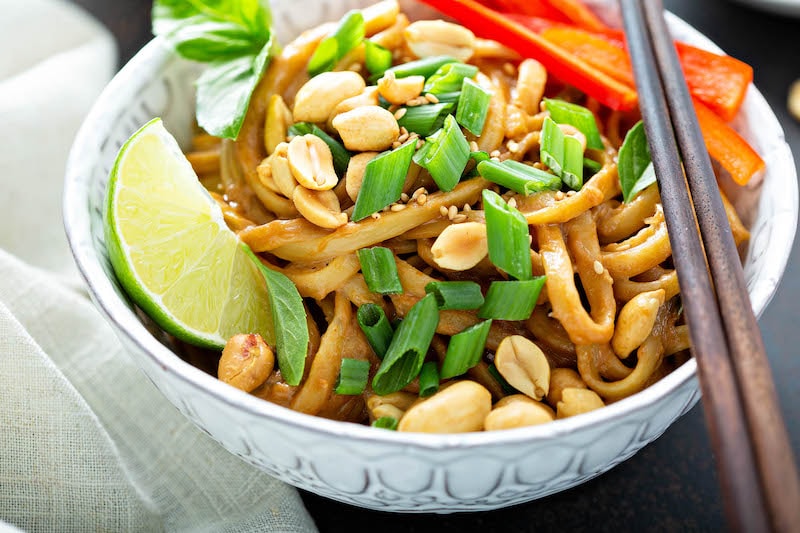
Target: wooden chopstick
x,y
754,457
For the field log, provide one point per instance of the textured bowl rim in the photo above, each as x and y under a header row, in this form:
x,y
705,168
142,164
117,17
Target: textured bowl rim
x,y
77,223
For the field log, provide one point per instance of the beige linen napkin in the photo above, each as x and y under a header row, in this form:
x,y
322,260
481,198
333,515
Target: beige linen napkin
x,y
86,441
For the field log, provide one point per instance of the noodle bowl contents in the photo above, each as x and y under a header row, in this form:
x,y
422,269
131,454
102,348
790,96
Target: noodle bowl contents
x,y
471,244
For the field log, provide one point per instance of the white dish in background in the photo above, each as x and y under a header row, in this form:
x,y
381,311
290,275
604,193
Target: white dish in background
x,y
357,464
789,8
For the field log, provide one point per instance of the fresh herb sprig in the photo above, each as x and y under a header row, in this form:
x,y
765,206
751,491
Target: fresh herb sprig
x,y
235,38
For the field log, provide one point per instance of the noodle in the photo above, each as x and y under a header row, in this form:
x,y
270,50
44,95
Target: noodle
x,y
596,252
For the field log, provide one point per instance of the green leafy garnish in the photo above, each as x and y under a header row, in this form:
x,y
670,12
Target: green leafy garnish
x,y
235,38
634,166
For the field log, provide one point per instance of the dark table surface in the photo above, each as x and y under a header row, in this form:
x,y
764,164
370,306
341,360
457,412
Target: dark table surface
x,y
671,484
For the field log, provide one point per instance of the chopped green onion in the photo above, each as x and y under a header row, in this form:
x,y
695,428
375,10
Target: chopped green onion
x,y
507,388
425,119
288,320
428,379
376,328
380,270
572,170
455,294
511,300
508,236
473,105
353,377
383,180
421,67
518,177
551,150
634,165
478,157
591,165
385,422
578,116
347,36
341,157
376,58
409,345
451,97
445,155
465,349
449,78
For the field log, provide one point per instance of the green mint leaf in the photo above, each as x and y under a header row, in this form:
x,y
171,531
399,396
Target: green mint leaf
x,y
634,166
289,322
224,91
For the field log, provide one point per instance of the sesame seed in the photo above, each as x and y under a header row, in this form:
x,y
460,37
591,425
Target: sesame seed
x,y
495,153
400,113
422,198
403,131
396,144
432,98
571,193
512,202
420,143
452,212
443,210
467,208
355,67
473,146
404,197
598,267
559,195
459,218
376,216
398,207
389,75
403,138
509,69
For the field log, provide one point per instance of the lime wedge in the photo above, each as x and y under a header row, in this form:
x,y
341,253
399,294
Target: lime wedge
x,y
171,250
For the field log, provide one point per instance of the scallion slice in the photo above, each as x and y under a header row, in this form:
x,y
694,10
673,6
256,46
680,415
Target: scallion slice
x,y
376,58
511,300
507,234
380,270
409,345
451,97
591,165
385,422
465,349
551,150
353,377
383,180
428,379
376,328
473,105
568,113
341,157
572,170
445,155
421,67
425,119
449,78
348,34
455,294
518,177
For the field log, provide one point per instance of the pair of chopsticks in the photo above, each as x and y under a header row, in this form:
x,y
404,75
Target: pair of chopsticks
x,y
754,458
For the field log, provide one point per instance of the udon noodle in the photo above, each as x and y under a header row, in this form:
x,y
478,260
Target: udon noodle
x,y
608,322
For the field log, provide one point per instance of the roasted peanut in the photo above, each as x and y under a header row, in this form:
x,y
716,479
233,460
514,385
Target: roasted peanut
x,y
281,172
246,362
311,162
319,207
264,171
577,401
320,95
379,16
517,411
560,379
636,321
400,90
277,123
367,128
524,366
461,407
460,246
427,38
369,96
394,404
355,172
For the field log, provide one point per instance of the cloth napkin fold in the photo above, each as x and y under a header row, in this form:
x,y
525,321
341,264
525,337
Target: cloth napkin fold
x,y
87,442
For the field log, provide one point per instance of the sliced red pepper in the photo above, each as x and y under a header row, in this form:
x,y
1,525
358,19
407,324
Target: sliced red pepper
x,y
579,14
562,64
719,81
571,12
727,147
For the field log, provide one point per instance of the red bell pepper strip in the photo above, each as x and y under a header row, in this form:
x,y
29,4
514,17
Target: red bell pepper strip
x,y
727,147
565,66
719,81
571,12
579,14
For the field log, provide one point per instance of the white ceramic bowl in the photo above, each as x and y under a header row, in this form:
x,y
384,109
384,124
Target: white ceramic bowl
x,y
789,8
356,464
